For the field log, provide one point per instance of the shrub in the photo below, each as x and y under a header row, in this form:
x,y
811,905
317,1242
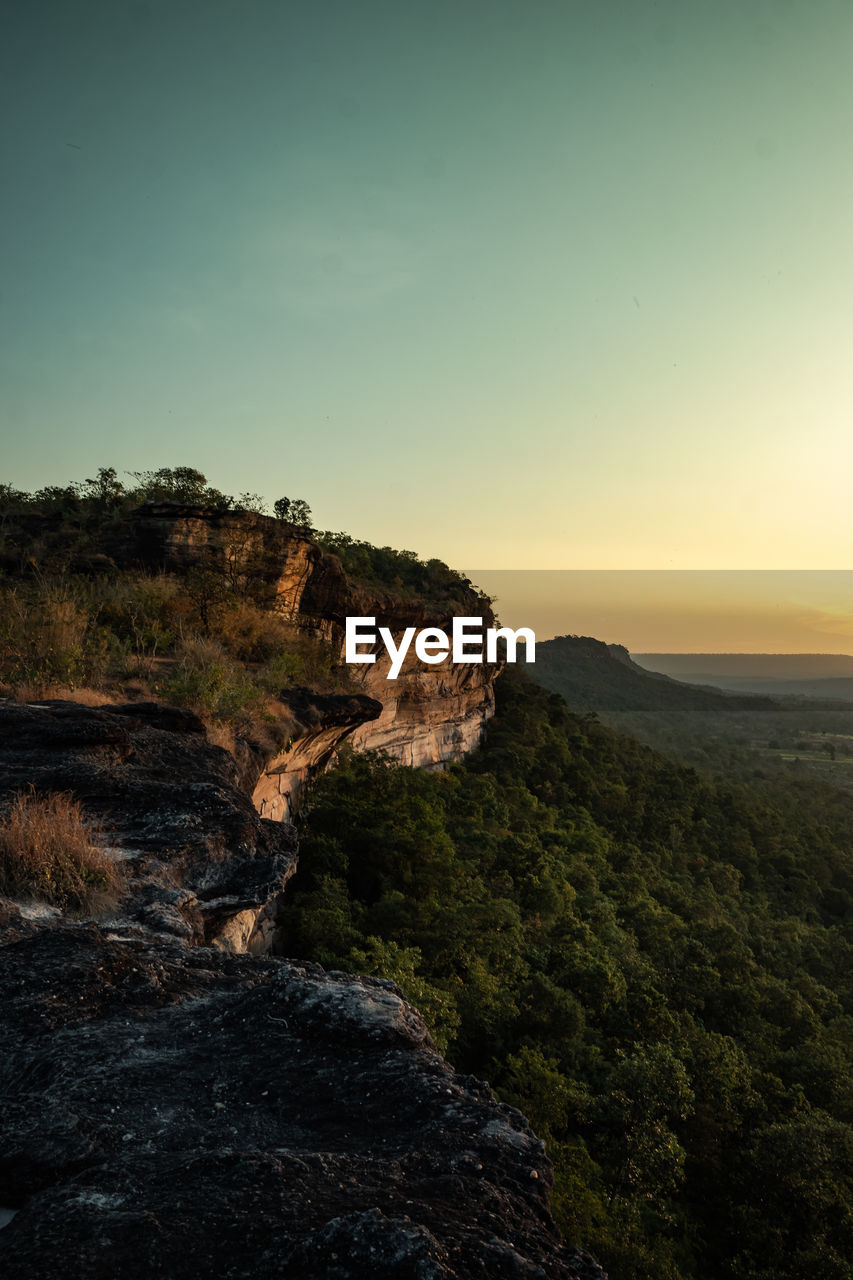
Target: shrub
x,y
207,682
47,852
49,636
403,573
143,613
251,634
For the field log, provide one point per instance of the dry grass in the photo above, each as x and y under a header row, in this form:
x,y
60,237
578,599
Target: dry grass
x,y
250,634
47,852
40,692
88,697
222,734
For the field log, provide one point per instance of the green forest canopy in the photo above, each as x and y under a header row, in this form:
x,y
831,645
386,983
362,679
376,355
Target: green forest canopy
x,y
654,967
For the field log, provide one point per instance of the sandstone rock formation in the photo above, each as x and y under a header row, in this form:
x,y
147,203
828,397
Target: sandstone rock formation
x,y
321,723
428,715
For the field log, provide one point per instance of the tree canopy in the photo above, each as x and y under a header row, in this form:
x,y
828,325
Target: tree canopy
x,y
654,966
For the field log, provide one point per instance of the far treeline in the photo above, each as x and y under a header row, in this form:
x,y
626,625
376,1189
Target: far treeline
x,y
747,734
82,507
106,493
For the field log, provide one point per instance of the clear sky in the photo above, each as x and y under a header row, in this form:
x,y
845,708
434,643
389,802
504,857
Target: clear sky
x,y
682,611
534,284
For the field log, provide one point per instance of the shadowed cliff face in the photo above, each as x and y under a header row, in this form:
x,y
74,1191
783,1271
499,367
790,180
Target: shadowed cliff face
x,y
321,723
428,715
246,547
199,863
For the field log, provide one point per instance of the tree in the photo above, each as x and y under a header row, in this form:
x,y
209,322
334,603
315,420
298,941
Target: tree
x,y
178,484
105,490
293,511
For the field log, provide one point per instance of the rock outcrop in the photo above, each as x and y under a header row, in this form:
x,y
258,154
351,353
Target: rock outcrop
x,y
322,722
176,1111
199,862
428,715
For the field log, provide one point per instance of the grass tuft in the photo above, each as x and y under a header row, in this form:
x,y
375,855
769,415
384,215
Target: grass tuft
x,y
47,852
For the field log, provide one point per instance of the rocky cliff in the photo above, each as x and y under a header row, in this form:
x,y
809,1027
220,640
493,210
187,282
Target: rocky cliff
x,y
198,861
426,716
171,1111
170,1107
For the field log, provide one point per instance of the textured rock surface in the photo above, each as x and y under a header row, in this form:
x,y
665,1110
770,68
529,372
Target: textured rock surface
x,y
420,719
321,723
176,1111
200,863
429,714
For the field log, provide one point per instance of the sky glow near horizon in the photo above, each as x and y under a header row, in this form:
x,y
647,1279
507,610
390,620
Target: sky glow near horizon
x,y
681,611
548,285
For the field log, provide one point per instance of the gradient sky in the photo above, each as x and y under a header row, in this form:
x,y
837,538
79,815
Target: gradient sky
x,y
682,611
535,284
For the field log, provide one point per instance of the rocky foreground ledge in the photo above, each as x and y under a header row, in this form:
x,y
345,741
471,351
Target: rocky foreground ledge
x,y
177,1111
173,1105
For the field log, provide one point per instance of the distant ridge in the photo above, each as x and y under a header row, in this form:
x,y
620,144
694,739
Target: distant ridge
x,y
593,676
808,675
785,666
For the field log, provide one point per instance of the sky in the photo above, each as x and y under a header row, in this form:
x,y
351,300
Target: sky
x,y
682,611
532,285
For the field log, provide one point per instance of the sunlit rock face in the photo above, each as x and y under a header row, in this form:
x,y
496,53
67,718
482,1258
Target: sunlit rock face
x,y
321,723
246,546
427,716
419,720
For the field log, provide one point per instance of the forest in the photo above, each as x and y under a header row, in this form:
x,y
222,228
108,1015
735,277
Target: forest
x,y
653,965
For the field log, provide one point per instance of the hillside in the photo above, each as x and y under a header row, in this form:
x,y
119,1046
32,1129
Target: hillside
x,y
702,725
174,591
655,968
176,1099
593,676
171,665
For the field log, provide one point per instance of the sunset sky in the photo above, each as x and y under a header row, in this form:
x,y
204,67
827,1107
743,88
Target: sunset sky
x,y
682,611
539,284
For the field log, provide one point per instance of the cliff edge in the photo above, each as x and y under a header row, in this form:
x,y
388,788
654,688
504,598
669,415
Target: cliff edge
x,y
174,1106
426,716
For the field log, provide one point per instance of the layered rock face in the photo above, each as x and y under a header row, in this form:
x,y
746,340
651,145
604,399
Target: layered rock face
x,y
428,715
242,544
419,719
321,723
